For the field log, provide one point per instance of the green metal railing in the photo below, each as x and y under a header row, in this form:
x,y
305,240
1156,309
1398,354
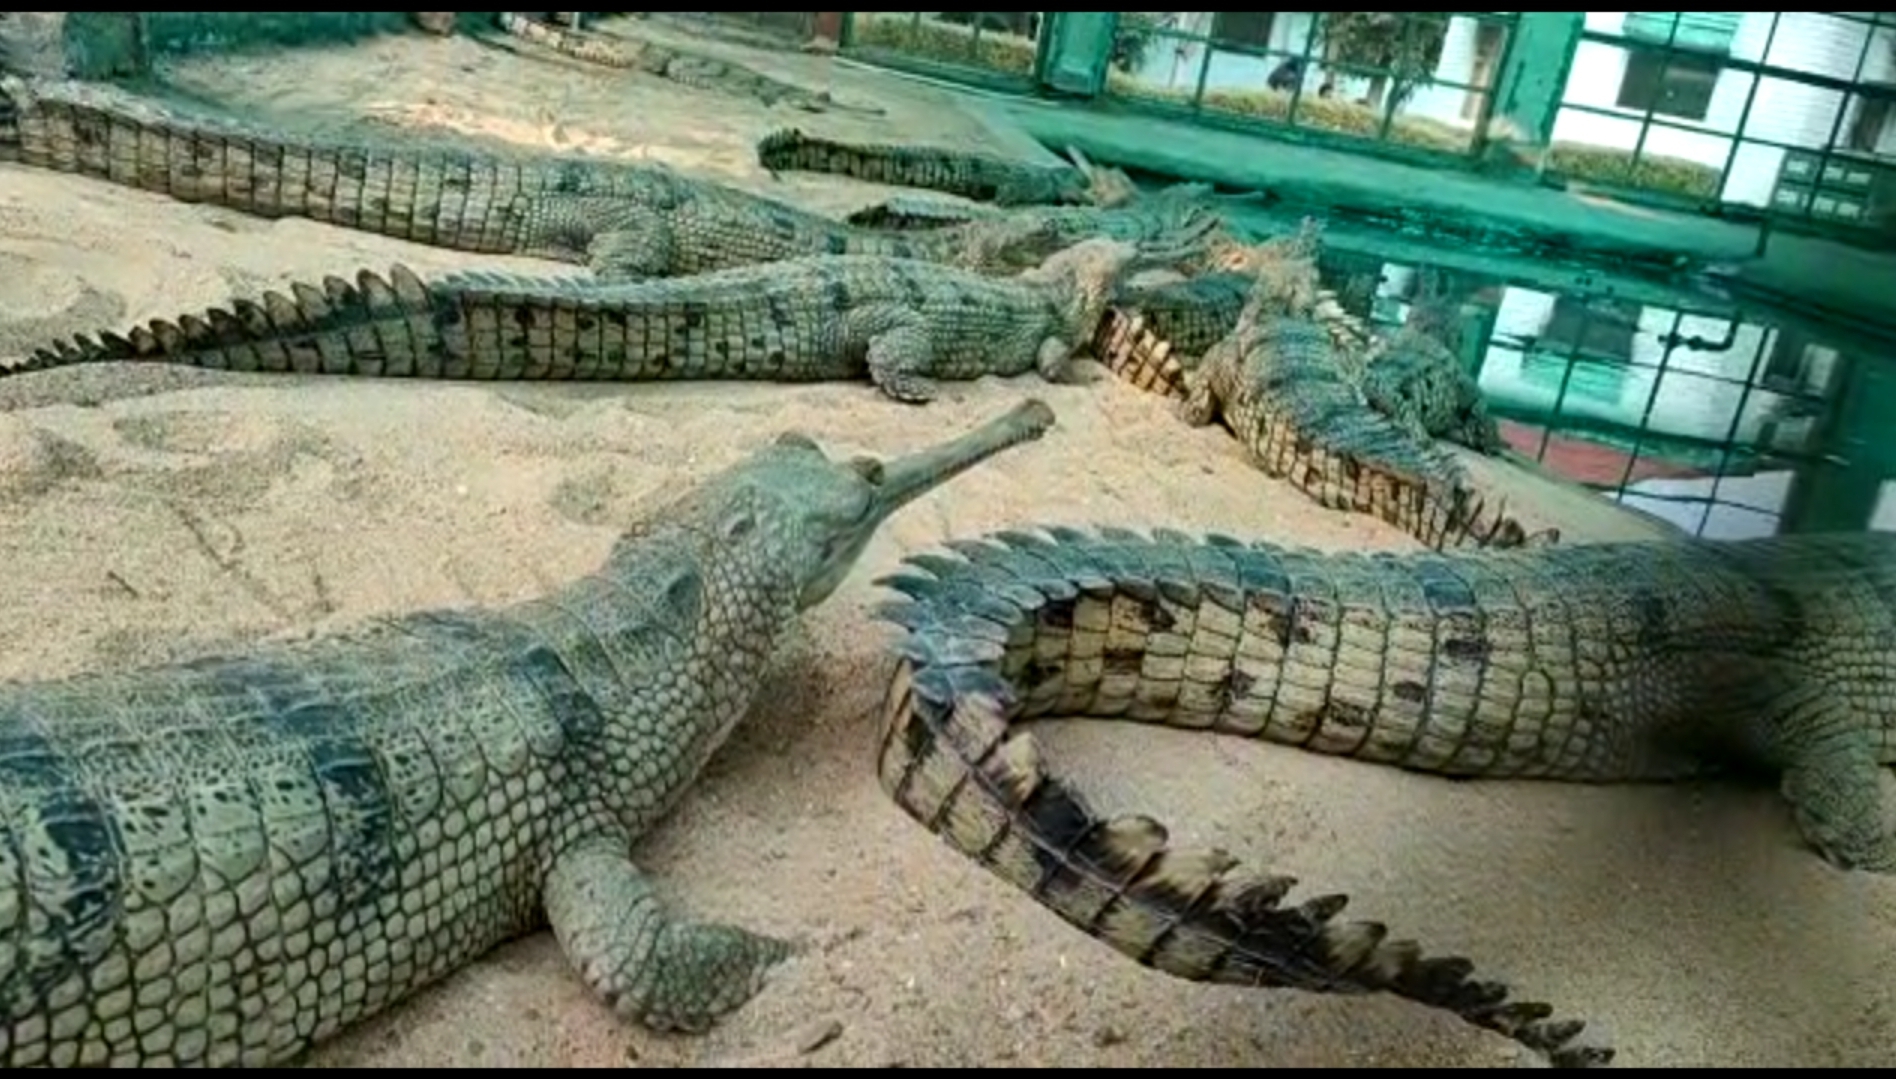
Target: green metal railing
x,y
1302,102
1815,178
977,53
1784,390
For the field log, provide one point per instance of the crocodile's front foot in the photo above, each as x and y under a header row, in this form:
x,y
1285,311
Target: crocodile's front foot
x,y
898,355
629,255
1843,800
667,974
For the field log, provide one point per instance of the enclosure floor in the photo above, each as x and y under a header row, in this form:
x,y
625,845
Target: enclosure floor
x,y
150,514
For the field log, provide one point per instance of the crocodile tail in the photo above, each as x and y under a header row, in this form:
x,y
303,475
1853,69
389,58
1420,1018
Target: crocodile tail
x,y
10,149
375,326
1136,355
952,759
971,176
582,45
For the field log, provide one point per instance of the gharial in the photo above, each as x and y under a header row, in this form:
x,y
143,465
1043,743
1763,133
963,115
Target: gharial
x,y
622,220
1281,384
1480,663
903,324
225,861
696,70
1599,663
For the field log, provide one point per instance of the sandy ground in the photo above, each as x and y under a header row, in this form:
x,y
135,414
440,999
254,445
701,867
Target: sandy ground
x,y
152,514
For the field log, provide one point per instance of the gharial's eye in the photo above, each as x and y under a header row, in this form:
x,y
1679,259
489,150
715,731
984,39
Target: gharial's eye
x,y
797,439
868,468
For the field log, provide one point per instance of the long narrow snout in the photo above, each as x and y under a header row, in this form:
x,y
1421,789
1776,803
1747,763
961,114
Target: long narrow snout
x,y
906,478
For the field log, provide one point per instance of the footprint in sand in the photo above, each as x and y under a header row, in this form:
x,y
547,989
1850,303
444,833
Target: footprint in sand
x,y
235,456
587,498
33,461
44,304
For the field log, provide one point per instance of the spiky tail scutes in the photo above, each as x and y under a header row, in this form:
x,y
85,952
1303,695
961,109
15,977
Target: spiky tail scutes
x,y
470,326
971,176
376,326
952,759
1439,516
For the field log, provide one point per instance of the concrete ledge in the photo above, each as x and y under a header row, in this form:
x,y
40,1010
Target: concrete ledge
x,y
1447,209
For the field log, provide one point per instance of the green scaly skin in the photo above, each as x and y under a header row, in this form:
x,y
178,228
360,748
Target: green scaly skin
x,y
695,70
1601,663
624,221
903,324
981,177
227,861
1574,662
1281,389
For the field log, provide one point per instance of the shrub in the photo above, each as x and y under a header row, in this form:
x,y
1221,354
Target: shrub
x,y
1323,113
1605,165
943,43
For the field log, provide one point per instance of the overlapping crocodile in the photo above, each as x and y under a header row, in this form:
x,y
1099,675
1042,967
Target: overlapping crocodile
x,y
1481,663
903,324
696,70
1296,402
623,220
226,861
1601,663
983,177
1157,334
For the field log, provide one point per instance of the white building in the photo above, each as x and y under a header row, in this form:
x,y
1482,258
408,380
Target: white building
x,y
1698,101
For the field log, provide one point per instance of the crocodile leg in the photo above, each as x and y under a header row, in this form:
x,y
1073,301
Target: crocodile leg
x,y
631,254
649,966
898,358
1842,798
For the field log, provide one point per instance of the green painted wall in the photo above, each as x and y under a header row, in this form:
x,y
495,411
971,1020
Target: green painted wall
x,y
1534,75
112,44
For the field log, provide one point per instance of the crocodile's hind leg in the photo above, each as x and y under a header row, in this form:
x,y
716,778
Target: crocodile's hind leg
x,y
631,254
665,973
900,352
1842,797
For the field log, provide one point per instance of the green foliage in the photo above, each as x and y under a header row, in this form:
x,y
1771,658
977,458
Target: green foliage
x,y
1132,40
1406,46
1604,165
930,39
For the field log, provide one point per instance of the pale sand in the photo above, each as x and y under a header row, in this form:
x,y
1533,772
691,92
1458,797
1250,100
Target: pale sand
x,y
155,513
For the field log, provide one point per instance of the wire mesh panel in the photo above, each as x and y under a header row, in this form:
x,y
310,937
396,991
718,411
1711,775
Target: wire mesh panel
x,y
1784,112
987,46
1422,80
1695,415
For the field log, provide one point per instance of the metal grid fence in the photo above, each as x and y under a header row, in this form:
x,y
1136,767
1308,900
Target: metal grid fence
x,y
1694,414
1782,113
1416,81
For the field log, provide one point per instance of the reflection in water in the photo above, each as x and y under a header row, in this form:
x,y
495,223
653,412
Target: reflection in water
x,y
1726,425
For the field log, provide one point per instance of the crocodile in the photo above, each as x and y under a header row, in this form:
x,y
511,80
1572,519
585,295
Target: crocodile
x,y
901,323
1281,385
1217,635
1412,375
621,220
1281,389
983,177
227,861
1415,376
695,70
1640,661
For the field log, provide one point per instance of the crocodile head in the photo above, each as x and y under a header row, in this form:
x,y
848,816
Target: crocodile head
x,y
791,510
